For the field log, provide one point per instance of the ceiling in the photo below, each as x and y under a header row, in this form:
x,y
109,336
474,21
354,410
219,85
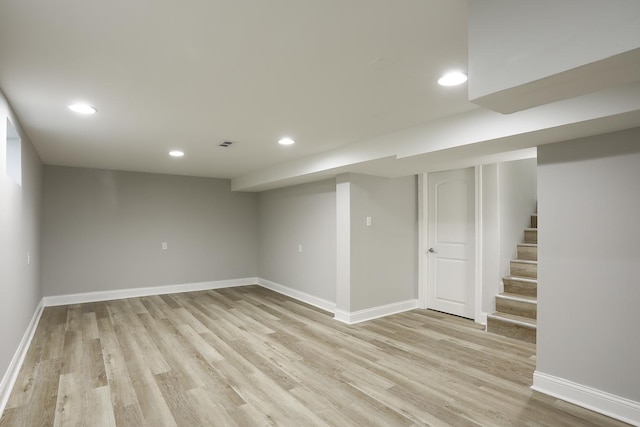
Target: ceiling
x,y
353,82
189,75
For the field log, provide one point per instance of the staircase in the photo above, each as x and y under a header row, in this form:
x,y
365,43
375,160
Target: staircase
x,y
517,306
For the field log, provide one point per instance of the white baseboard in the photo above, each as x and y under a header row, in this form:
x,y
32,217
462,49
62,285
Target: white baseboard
x,y
143,292
11,375
596,400
375,312
299,295
482,319
342,316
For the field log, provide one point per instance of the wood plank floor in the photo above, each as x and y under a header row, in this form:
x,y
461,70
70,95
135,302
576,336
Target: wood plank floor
x,y
251,357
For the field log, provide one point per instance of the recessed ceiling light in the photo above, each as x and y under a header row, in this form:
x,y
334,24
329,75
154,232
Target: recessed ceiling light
x,y
453,78
82,108
286,141
176,153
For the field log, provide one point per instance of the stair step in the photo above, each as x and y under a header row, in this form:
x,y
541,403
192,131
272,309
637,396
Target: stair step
x,y
525,286
516,297
524,268
531,235
512,326
515,319
528,251
519,305
534,220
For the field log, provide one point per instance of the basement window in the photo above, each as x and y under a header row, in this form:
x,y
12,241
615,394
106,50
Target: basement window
x,y
14,154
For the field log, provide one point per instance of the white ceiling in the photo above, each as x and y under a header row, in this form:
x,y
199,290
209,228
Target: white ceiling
x,y
353,82
190,75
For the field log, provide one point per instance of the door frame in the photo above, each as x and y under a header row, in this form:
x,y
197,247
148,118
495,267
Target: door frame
x,y
423,239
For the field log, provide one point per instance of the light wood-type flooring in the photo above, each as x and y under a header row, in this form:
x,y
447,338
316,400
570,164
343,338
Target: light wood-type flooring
x,y
251,357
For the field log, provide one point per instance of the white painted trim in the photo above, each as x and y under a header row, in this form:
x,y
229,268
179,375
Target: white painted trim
x,y
375,312
13,370
596,400
423,287
343,242
422,240
143,292
299,295
482,319
478,249
499,222
342,316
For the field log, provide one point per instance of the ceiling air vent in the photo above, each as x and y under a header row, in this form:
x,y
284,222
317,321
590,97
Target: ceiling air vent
x,y
225,144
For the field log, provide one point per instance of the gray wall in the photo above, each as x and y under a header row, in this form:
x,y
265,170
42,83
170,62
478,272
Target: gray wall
x,y
509,196
20,221
589,262
299,215
518,194
384,256
102,230
491,270
516,42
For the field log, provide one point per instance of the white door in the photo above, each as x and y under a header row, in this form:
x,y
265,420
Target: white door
x,y
451,242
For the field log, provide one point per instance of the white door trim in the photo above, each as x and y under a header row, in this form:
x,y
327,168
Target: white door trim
x,y
423,212
422,240
478,260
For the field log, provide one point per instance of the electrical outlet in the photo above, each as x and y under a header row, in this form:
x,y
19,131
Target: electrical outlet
x,y
368,221
28,257
164,246
300,248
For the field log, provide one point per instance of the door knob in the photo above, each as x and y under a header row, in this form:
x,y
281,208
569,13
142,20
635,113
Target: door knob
x,y
433,251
